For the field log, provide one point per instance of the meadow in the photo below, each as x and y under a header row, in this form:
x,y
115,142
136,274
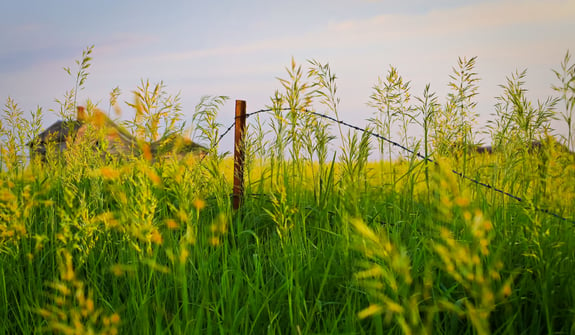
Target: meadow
x,y
328,240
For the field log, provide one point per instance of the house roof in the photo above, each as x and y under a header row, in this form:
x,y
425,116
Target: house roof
x,y
61,131
57,132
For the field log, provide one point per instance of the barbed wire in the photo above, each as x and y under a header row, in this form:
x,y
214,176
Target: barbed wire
x,y
419,155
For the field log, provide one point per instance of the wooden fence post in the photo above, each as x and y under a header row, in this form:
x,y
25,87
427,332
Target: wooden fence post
x,y
239,154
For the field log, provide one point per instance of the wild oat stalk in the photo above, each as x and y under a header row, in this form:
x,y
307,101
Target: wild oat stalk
x,y
428,108
518,122
353,160
386,273
72,308
453,124
298,98
205,114
208,130
567,90
464,89
280,139
153,106
391,98
15,132
256,145
114,94
325,88
278,125
464,252
516,118
68,105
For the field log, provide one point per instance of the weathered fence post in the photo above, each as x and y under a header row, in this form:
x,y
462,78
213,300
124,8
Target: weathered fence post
x,y
239,154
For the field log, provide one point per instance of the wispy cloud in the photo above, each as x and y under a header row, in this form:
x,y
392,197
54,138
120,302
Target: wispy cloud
x,y
480,16
478,23
359,39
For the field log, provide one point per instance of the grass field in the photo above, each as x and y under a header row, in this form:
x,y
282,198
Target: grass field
x,y
324,243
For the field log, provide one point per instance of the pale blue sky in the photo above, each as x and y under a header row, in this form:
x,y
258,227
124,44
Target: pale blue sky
x,y
239,48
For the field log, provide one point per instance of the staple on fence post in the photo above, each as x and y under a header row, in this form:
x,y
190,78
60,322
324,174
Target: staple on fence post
x,y
239,154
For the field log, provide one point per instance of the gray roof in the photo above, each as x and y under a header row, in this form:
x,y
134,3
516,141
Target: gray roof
x,y
119,139
58,132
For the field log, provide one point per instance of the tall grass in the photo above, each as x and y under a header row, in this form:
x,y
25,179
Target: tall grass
x,y
566,88
319,246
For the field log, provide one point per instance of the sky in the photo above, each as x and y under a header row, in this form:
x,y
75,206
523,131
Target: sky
x,y
240,48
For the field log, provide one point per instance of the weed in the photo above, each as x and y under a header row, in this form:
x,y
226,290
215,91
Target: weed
x,y
325,242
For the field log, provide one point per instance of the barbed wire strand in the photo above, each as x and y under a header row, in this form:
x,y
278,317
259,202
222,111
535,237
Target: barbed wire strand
x,y
419,155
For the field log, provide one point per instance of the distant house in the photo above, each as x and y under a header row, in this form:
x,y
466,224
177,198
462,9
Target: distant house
x,y
103,135
56,135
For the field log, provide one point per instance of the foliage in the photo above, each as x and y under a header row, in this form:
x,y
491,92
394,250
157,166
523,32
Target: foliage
x,y
391,98
567,90
154,106
517,119
320,245
454,122
68,105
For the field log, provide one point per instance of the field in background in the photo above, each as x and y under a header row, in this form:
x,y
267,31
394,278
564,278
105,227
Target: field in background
x,y
324,242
